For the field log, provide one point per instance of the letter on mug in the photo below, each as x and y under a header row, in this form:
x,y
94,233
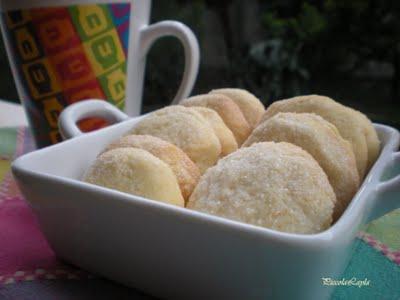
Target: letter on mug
x,y
52,108
17,18
26,44
73,67
41,79
88,90
116,84
57,34
91,19
105,52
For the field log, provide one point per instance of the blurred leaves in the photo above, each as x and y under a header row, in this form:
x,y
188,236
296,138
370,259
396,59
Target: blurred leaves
x,y
306,39
283,71
306,25
279,55
345,49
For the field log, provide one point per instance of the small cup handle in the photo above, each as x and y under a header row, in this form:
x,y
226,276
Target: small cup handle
x,y
388,192
69,117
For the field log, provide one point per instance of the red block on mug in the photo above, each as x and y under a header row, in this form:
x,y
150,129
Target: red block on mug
x,y
55,29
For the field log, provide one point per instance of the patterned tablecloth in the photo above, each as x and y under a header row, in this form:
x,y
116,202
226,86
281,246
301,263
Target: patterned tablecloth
x,y
30,270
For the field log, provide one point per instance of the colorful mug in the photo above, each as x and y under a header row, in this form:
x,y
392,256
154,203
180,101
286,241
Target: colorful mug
x,y
64,51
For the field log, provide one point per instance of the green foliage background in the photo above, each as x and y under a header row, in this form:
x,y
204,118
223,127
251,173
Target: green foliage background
x,y
348,50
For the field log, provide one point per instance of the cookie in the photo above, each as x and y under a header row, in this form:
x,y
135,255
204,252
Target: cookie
x,y
371,137
224,134
227,109
186,129
322,140
251,107
185,170
342,117
137,172
273,185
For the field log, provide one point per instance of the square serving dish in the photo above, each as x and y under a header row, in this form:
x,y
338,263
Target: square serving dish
x,y
176,253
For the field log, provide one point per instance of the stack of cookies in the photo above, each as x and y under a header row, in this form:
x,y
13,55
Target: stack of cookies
x,y
293,168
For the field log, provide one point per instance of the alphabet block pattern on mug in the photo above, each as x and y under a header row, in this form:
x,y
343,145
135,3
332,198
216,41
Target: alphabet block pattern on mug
x,y
66,54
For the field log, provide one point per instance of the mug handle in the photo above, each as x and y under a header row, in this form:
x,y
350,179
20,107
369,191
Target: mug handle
x,y
151,33
69,117
67,122
387,197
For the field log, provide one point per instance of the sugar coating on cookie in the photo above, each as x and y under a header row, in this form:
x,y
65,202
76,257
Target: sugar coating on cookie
x,y
186,129
339,115
185,170
137,172
274,185
227,109
251,107
224,134
322,140
371,136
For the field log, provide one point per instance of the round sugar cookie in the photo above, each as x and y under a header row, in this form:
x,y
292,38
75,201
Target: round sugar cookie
x,y
227,109
342,117
273,185
320,139
186,129
137,172
185,170
224,134
371,137
251,107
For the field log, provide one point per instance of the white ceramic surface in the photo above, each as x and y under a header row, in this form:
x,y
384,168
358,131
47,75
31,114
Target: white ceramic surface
x,y
12,115
176,253
141,37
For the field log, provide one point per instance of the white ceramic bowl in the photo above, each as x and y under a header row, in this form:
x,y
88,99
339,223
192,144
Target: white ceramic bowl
x,y
173,252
